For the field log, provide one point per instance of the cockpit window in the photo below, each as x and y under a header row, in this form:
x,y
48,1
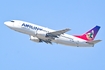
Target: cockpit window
x,y
12,21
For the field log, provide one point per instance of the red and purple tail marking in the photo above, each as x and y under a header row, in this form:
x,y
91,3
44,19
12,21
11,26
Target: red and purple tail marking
x,y
90,35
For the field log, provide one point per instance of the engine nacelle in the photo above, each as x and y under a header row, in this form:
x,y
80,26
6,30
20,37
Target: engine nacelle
x,y
35,39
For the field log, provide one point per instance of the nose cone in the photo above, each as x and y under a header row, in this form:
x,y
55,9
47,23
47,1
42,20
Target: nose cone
x,y
9,24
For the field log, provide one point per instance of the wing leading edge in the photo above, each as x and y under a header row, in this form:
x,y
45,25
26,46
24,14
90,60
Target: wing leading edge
x,y
59,32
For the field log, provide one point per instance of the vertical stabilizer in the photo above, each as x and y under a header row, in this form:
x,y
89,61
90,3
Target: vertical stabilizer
x,y
89,35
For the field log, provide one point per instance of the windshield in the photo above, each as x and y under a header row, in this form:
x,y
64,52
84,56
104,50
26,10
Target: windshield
x,y
12,21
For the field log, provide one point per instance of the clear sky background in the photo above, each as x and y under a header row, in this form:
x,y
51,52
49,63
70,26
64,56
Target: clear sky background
x,y
17,52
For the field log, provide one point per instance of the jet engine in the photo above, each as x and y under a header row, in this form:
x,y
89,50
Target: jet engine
x,y
35,39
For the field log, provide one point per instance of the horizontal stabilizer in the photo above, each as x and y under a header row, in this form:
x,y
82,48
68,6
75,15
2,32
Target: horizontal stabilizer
x,y
93,42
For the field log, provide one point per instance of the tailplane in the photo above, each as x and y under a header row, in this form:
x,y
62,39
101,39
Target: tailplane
x,y
94,42
89,35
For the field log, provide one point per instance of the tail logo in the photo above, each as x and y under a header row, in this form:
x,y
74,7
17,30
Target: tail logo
x,y
90,35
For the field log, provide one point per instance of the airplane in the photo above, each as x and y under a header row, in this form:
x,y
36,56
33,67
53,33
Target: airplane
x,y
42,34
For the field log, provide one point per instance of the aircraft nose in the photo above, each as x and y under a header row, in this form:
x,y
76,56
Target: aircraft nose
x,y
9,24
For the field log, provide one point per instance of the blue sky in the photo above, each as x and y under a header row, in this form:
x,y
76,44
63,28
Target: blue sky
x,y
17,52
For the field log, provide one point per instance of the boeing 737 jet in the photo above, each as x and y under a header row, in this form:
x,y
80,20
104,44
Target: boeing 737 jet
x,y
42,34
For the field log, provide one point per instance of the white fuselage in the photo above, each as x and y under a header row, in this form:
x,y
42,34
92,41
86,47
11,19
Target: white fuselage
x,y
32,29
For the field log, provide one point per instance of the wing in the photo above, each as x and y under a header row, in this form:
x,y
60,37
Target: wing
x,y
51,36
58,33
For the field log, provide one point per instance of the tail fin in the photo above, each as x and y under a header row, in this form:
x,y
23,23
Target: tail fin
x,y
90,35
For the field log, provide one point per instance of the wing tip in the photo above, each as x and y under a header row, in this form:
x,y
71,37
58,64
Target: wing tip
x,y
68,29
